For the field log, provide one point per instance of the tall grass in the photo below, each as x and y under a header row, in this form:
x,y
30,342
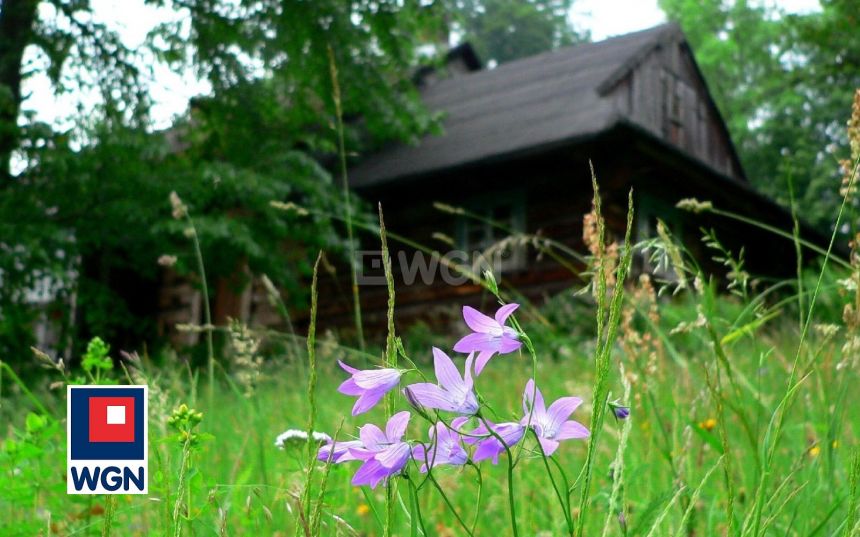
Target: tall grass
x,y
180,211
389,361
725,397
227,491
606,332
851,522
341,151
774,431
308,519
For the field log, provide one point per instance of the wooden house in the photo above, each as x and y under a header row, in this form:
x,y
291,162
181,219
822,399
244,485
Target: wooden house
x,y
515,149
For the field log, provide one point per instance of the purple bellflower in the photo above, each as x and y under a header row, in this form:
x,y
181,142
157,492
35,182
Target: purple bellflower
x,y
551,425
446,446
384,453
338,451
489,335
369,385
453,393
490,447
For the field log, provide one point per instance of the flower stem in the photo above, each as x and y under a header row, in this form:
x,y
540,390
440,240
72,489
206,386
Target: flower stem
x,y
511,502
478,501
336,97
389,509
564,503
511,492
417,520
180,489
316,514
450,506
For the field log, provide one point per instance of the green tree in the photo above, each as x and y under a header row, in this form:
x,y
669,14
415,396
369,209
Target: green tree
x,y
504,30
80,52
91,208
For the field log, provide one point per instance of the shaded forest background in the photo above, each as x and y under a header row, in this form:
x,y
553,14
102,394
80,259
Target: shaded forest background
x,y
84,215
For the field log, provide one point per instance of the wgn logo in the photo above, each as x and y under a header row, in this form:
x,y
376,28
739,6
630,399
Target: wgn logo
x,y
107,438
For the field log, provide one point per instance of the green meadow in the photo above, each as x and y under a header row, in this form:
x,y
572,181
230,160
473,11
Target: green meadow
x,y
742,422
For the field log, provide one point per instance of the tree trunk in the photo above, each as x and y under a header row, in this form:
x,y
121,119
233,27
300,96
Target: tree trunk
x,y
17,18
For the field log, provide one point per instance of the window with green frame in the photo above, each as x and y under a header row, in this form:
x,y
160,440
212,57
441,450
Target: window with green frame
x,y
490,222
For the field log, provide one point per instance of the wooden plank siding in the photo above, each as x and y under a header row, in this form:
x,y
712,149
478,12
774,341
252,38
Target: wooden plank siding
x,y
666,95
558,193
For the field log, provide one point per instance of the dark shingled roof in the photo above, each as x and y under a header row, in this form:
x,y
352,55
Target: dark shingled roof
x,y
539,101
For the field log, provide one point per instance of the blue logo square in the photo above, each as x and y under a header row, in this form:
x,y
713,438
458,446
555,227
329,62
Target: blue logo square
x,y
81,448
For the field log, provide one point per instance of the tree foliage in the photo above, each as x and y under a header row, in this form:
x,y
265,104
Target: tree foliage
x,y
504,30
89,215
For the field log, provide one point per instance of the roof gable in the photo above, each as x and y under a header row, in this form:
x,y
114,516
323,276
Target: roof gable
x,y
561,96
662,90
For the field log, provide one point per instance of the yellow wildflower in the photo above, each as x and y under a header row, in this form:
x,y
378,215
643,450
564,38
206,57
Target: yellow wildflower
x,y
708,424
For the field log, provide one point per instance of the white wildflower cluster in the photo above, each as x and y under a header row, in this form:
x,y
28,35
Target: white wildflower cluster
x,y
296,436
